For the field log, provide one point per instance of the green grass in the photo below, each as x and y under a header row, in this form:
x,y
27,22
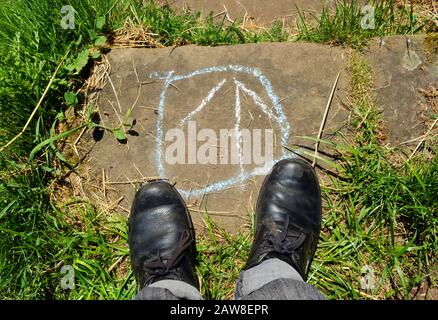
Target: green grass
x,y
376,214
173,30
220,259
344,26
59,237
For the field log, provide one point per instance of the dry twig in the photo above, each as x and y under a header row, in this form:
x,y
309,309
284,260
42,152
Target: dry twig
x,y
38,104
324,119
424,138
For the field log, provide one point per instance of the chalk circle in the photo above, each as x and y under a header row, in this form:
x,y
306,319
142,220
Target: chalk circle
x,y
169,78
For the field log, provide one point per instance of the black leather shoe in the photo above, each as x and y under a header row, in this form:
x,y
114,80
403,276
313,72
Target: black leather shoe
x,y
161,236
288,216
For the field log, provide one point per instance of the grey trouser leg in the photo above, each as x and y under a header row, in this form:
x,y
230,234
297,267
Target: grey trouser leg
x,y
274,279
169,290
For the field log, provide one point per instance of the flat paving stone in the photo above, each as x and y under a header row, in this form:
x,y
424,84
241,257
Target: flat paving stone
x,y
283,87
260,12
402,66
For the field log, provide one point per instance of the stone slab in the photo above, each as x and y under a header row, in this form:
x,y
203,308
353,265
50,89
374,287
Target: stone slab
x,y
279,86
259,12
402,66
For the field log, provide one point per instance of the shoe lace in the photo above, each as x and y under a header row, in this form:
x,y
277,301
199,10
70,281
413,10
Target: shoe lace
x,y
281,240
159,266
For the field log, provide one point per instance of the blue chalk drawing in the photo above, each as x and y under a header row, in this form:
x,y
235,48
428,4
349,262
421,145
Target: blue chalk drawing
x,y
279,117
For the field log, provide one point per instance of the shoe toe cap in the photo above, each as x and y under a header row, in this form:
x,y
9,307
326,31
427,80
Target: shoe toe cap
x,y
292,189
158,213
294,171
155,194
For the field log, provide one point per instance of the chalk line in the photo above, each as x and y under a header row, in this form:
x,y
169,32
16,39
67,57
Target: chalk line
x,y
257,100
203,103
237,115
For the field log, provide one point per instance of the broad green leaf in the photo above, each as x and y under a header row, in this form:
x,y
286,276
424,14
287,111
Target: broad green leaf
x,y
100,41
92,34
82,60
79,62
95,54
119,134
71,98
60,116
100,22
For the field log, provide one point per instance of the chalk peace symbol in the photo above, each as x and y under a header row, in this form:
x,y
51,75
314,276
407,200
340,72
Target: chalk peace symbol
x,y
277,115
